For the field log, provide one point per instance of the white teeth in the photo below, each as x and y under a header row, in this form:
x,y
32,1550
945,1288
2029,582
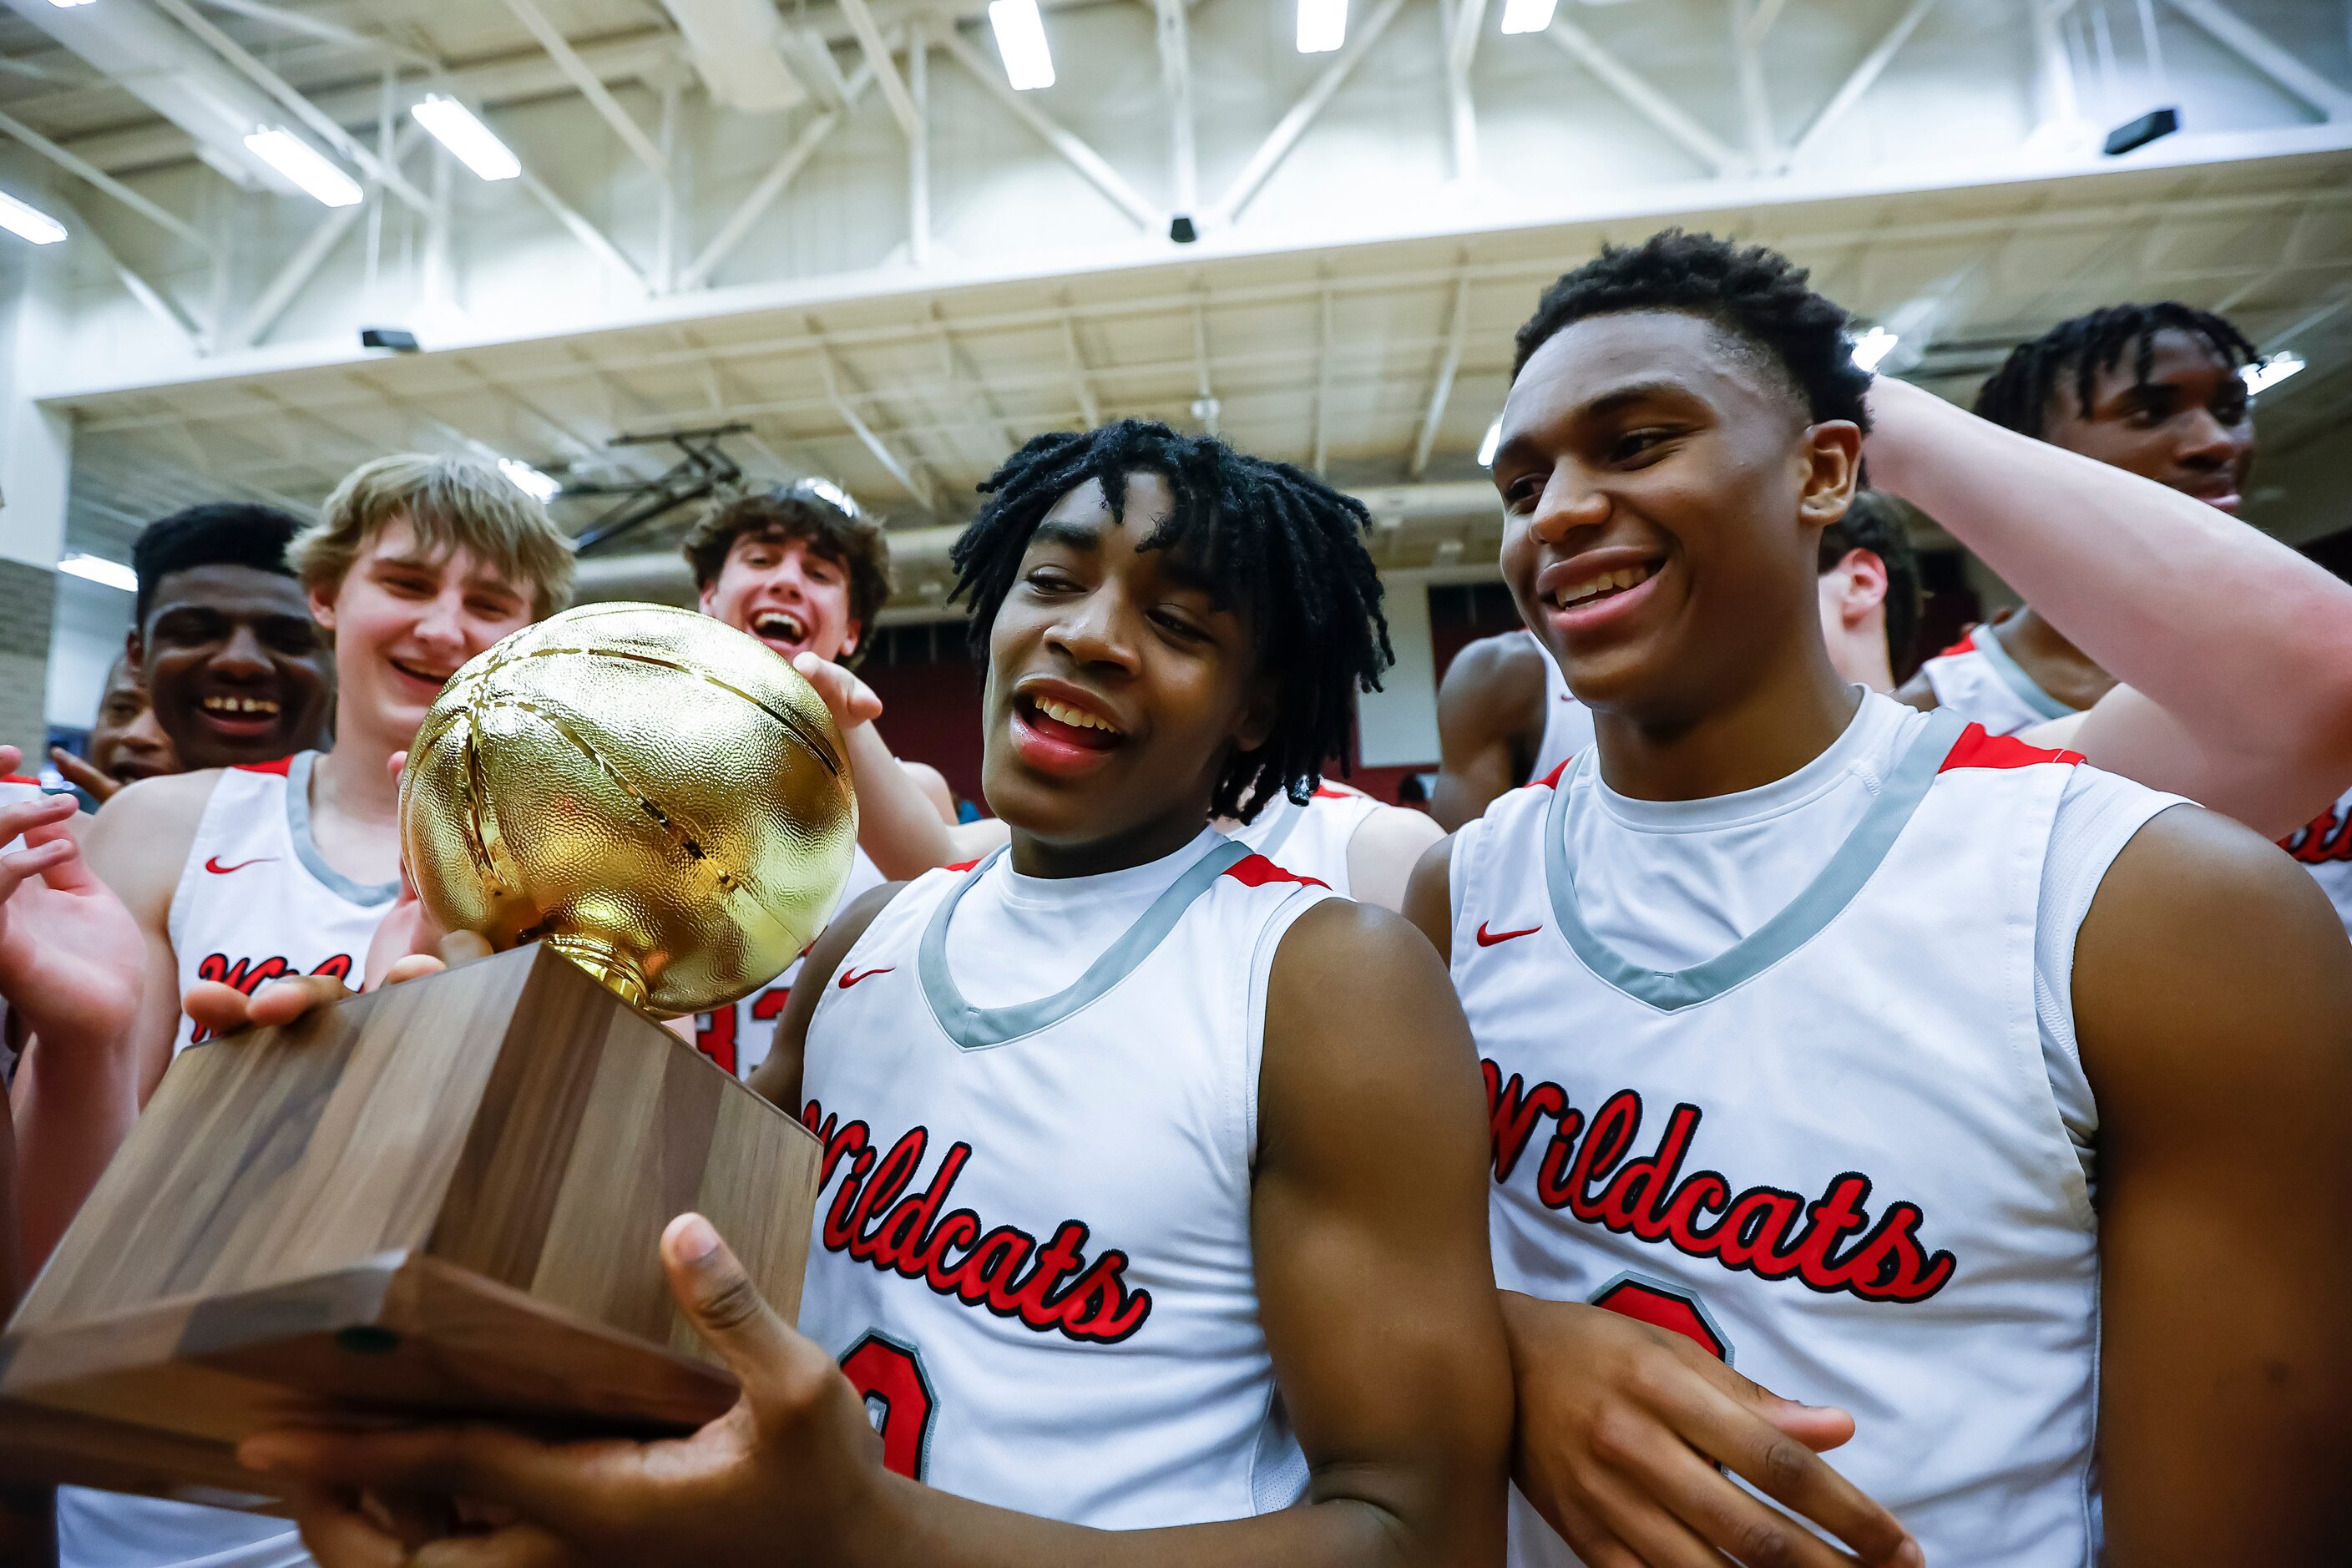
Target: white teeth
x,y
778,623
1623,577
1079,718
260,705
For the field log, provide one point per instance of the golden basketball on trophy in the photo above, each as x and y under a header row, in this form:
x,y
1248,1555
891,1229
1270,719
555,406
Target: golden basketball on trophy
x,y
446,1195
655,794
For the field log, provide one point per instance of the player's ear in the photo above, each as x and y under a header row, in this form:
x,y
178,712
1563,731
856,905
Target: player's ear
x,y
1832,471
706,597
1257,716
1862,584
853,638
134,651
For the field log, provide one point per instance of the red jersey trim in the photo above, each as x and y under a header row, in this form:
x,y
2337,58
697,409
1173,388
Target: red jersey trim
x,y
1966,645
1257,871
1551,779
965,865
1337,792
1975,748
19,778
280,767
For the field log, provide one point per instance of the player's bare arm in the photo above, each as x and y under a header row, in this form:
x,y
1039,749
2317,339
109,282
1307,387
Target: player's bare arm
x,y
2239,696
1627,1436
84,1078
2213,1004
1490,710
1385,851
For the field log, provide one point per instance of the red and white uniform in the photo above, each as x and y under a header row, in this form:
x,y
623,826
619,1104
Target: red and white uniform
x,y
1567,723
257,901
1032,1250
1793,1073
2324,849
1978,679
1312,840
738,1038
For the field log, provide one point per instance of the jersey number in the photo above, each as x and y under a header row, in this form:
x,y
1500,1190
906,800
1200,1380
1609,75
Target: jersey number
x,y
1666,1307
889,1378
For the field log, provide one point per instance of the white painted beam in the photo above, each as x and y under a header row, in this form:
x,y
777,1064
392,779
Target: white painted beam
x,y
149,210
598,243
2257,49
885,73
157,303
898,469
1293,125
567,59
1636,90
1081,386
1748,60
1176,77
1863,77
1449,365
303,264
1074,152
1468,19
919,146
781,174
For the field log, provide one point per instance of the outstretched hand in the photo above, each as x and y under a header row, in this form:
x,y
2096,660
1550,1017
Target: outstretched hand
x,y
77,772
71,954
851,701
1622,1428
793,1461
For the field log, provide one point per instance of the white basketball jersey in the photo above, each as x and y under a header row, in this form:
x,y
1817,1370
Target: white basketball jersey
x,y
257,901
1978,679
2324,849
1831,1154
1311,840
1567,723
1032,1250
738,1038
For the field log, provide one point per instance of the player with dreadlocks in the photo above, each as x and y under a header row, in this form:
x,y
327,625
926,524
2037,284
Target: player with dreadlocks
x,y
2156,390
1928,1075
2151,389
1154,1174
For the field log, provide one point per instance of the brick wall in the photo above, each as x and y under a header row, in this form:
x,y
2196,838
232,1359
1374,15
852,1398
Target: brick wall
x,y
28,607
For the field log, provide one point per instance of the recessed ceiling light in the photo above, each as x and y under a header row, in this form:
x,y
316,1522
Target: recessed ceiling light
x,y
1021,40
454,127
29,223
305,166
98,569
1322,25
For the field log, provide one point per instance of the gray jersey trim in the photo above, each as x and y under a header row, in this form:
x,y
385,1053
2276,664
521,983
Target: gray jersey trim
x,y
2012,675
977,1028
306,849
1823,899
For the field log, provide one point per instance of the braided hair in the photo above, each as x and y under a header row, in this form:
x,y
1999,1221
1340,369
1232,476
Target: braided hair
x,y
1275,542
2020,392
1757,295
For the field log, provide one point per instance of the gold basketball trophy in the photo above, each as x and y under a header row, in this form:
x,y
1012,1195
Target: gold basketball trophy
x,y
446,1196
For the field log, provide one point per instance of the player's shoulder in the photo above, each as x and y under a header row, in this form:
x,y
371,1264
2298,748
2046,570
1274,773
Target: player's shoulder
x,y
1493,674
150,808
1340,953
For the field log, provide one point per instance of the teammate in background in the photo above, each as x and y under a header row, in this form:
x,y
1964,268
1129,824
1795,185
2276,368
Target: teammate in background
x,y
804,574
126,744
276,867
1154,1172
1925,1073
1506,716
1358,846
222,639
2180,413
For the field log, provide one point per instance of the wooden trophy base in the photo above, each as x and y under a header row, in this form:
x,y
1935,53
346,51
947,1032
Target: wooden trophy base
x,y
445,1197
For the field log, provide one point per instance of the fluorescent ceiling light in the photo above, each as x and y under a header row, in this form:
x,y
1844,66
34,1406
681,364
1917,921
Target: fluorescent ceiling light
x,y
1527,16
1021,39
1871,349
529,480
29,223
305,166
1493,440
454,126
67,4
2266,373
97,569
1322,25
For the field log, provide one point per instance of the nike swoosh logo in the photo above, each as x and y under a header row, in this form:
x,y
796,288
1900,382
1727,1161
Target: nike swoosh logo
x,y
850,977
1489,938
217,869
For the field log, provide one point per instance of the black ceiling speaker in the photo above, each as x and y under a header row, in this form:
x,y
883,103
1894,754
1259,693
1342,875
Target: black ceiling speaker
x,y
2156,124
1181,231
393,338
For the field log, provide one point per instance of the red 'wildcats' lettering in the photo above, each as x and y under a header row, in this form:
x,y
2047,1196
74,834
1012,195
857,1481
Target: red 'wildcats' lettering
x,y
1829,1245
250,974
874,1220
2328,837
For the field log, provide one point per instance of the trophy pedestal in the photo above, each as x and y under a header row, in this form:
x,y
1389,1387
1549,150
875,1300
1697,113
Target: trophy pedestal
x,y
442,1198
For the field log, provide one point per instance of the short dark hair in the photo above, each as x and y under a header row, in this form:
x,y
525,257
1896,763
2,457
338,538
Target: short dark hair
x,y
1272,540
799,511
1753,293
2019,395
1881,523
217,534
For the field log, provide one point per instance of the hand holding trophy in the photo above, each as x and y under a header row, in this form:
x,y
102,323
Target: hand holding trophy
x,y
446,1195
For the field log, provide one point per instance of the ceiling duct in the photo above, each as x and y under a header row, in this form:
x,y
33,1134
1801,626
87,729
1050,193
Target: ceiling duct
x,y
736,49
143,53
